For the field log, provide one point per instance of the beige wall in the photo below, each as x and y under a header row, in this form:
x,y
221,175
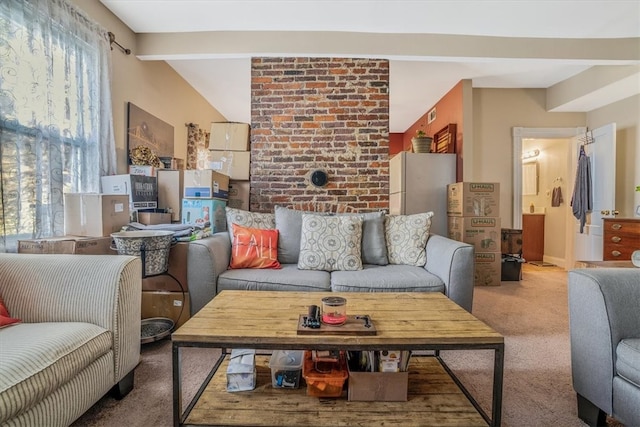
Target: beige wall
x,y
495,113
151,85
626,115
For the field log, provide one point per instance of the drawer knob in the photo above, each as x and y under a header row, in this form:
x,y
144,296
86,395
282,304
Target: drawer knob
x,y
616,253
616,239
616,226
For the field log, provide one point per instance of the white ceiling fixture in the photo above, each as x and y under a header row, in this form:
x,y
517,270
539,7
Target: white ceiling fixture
x,y
515,52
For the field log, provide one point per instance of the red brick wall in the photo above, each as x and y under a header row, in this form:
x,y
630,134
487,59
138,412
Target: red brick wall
x,y
327,113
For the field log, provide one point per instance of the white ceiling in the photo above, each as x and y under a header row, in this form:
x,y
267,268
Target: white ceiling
x,y
417,81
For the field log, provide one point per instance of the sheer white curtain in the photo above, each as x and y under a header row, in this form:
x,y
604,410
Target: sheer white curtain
x,y
56,120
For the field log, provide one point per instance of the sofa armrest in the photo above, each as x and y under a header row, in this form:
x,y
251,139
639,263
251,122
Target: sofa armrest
x,y
603,309
452,262
104,290
207,258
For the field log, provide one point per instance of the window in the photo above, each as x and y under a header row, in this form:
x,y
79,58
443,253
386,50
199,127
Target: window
x,y
55,114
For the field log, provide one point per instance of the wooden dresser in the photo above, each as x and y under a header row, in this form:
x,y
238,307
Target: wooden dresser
x,y
621,236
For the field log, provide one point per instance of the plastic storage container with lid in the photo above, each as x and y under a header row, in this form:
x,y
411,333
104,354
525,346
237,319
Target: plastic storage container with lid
x,y
286,368
324,384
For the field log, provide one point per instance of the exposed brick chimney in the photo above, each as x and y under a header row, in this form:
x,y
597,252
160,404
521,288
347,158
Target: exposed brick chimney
x,y
326,113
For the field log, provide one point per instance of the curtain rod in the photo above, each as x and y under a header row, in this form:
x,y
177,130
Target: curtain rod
x,y
112,41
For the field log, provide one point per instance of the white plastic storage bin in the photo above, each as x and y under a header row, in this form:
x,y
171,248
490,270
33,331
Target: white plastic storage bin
x,y
286,368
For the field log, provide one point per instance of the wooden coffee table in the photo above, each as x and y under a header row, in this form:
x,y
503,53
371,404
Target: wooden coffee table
x,y
268,321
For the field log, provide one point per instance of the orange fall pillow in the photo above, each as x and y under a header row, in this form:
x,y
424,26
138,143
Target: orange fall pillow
x,y
5,318
254,248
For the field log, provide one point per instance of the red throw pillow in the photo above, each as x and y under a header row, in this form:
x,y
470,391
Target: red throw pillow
x,y
254,248
5,318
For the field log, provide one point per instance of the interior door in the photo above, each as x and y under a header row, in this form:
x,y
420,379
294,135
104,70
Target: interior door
x,y
600,146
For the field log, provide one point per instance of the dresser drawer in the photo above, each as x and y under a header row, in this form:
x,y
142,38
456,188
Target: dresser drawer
x,y
620,238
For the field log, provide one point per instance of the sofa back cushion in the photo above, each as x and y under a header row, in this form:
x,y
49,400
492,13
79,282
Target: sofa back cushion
x,y
374,245
330,243
406,237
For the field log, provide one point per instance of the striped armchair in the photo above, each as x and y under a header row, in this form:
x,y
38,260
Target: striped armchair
x,y
79,337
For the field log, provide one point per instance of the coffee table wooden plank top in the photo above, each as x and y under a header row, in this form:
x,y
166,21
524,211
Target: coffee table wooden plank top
x,y
266,319
433,399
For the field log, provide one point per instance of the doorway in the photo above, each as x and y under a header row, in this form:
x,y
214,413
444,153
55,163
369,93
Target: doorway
x,y
552,164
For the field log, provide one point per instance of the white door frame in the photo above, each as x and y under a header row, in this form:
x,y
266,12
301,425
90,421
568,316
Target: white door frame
x,y
520,133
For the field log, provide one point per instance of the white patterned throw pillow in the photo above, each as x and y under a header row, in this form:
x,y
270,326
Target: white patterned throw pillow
x,y
330,243
407,238
248,219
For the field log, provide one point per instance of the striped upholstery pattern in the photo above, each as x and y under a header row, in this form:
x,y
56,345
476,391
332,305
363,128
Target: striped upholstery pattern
x,y
37,358
98,297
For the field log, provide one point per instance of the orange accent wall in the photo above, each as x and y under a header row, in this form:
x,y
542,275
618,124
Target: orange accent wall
x,y
448,110
396,143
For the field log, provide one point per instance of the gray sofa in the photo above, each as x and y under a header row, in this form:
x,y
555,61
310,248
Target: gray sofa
x,y
449,268
604,323
79,337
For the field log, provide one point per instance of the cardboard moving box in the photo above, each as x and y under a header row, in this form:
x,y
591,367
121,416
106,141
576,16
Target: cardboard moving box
x,y
482,232
236,164
170,305
170,190
205,184
488,268
95,215
142,190
201,211
473,199
67,245
378,386
152,218
230,136
239,195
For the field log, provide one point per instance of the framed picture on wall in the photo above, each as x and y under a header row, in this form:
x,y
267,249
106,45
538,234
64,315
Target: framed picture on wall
x,y
146,130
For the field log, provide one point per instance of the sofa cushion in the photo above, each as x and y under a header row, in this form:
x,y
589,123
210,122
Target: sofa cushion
x,y
628,360
288,278
374,244
254,248
330,243
248,219
407,238
289,224
37,358
388,278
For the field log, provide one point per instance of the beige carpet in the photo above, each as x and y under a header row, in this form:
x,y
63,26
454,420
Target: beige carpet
x,y
531,314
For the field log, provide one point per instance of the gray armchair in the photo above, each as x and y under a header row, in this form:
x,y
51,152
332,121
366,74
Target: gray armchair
x,y
604,323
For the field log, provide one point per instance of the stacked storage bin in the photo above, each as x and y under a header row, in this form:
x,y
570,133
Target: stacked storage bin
x,y
229,153
511,254
473,210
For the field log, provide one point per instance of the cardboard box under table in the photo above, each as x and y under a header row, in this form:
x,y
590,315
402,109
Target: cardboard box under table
x,y
94,215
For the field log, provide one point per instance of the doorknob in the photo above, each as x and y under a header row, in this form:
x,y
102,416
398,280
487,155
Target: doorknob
x,y
604,212
616,212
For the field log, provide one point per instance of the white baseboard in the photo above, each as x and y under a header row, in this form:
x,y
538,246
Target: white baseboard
x,y
560,262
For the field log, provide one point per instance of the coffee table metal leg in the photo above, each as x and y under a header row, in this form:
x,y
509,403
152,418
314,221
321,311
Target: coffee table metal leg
x,y
177,389
498,373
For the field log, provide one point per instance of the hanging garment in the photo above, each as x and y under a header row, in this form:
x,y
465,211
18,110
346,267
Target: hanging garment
x,y
582,201
556,197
